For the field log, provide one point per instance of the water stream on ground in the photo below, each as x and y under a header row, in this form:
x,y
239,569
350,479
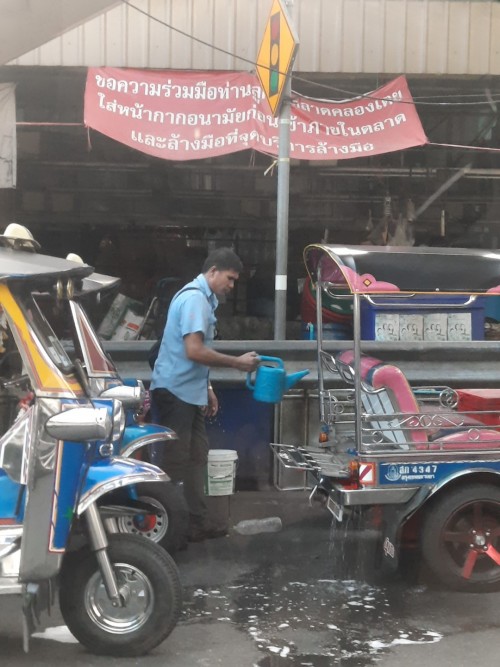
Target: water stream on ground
x,y
310,622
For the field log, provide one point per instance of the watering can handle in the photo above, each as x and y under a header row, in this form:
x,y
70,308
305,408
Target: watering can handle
x,y
263,357
249,382
277,360
249,379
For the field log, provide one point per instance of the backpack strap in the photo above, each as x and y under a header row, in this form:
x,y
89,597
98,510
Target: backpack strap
x,y
155,349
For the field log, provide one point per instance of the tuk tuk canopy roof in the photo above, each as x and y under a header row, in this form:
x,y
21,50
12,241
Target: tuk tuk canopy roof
x,y
392,269
98,282
19,265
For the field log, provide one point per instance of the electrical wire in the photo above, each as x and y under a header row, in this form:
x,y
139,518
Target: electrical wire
x,y
484,149
417,101
370,96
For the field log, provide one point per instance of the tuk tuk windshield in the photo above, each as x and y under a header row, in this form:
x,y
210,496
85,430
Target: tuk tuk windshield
x,y
42,329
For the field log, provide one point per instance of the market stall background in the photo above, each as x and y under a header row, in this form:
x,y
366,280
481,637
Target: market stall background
x,y
116,207
147,219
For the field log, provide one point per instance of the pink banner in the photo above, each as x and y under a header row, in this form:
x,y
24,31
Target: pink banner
x,y
185,115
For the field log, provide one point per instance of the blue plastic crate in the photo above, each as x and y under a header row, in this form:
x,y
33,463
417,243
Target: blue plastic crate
x,y
447,323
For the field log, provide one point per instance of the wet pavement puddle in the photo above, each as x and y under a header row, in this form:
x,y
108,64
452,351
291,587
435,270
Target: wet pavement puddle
x,y
309,623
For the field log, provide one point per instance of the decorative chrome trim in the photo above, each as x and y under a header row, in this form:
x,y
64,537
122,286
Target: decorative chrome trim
x,y
117,483
328,361
320,462
145,440
448,398
459,474
416,306
370,496
427,456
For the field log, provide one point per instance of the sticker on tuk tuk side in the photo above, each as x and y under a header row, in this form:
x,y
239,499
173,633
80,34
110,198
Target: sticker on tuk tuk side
x,y
429,473
387,326
367,474
435,326
411,327
459,326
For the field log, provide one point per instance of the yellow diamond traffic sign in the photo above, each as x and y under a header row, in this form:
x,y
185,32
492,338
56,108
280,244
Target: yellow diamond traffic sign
x,y
276,55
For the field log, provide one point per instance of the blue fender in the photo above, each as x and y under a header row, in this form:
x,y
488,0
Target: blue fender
x,y
140,435
114,473
9,497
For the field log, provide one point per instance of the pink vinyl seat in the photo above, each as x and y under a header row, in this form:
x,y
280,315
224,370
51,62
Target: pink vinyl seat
x,y
386,391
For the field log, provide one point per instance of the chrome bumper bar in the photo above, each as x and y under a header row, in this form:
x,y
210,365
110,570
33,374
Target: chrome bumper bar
x,y
340,499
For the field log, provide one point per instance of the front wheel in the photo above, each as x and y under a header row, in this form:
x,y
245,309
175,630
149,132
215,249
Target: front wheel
x,y
461,538
150,589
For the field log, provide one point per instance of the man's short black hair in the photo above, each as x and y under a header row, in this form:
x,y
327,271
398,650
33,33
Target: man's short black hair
x,y
224,259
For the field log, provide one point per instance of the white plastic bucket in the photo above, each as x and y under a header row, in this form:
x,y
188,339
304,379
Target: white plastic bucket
x,y
221,472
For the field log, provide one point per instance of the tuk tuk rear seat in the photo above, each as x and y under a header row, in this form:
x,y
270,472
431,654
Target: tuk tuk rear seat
x,y
386,391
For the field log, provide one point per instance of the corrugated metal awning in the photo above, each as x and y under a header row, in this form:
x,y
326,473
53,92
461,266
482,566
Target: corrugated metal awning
x,y
445,37
27,24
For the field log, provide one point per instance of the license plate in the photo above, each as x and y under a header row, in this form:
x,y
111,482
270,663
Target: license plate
x,y
335,509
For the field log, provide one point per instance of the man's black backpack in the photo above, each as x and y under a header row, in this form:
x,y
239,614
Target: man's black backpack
x,y
155,348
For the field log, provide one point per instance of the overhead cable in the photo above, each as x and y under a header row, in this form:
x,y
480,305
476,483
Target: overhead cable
x,y
417,101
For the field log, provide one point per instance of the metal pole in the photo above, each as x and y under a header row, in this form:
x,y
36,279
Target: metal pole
x,y
319,342
356,320
282,211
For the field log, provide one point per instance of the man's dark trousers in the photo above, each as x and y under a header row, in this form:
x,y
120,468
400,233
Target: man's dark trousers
x,y
185,459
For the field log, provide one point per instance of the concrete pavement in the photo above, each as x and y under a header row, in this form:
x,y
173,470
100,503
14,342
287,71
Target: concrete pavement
x,y
306,596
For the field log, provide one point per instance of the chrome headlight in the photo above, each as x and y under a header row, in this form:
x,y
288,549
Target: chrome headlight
x,y
142,390
116,416
131,397
118,421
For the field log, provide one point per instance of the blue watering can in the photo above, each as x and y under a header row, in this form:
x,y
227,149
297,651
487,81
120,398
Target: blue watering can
x,y
271,382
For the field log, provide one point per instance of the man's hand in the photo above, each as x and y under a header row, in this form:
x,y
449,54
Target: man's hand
x,y
213,404
247,362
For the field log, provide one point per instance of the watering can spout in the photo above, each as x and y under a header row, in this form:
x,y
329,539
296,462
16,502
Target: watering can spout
x,y
293,378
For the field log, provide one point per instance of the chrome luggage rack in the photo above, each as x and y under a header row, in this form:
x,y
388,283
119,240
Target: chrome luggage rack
x,y
337,406
319,462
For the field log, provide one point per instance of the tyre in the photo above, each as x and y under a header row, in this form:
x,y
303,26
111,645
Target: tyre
x,y
149,584
461,538
168,526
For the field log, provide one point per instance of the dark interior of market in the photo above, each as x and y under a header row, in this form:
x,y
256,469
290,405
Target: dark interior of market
x,y
146,219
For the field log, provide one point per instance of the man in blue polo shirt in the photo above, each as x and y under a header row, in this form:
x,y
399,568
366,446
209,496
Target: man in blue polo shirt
x,y
181,389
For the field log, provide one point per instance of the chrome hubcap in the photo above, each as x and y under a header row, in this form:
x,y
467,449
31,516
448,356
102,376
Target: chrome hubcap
x,y
137,597
152,526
